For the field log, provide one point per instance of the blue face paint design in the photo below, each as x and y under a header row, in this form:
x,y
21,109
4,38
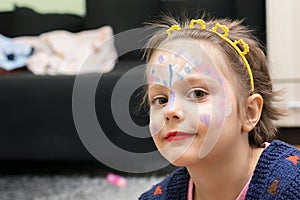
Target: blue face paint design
x,y
161,59
171,75
153,71
205,118
165,83
180,77
171,100
187,70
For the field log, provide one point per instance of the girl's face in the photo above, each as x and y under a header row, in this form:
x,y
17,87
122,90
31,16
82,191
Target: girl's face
x,y
192,105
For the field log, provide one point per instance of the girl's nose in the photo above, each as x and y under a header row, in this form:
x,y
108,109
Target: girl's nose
x,y
173,110
173,115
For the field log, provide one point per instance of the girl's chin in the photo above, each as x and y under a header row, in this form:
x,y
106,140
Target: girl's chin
x,y
182,157
185,161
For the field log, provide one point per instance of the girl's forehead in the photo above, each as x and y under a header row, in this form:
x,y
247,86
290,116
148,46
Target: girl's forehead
x,y
180,51
184,56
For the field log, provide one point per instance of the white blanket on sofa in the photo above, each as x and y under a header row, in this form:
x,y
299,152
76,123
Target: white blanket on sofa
x,y
65,53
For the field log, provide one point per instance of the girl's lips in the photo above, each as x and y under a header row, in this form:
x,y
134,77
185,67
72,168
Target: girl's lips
x,y
177,135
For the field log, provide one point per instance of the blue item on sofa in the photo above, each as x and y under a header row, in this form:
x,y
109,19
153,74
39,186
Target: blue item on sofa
x,y
13,55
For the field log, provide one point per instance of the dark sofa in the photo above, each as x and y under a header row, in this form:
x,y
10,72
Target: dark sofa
x,y
36,114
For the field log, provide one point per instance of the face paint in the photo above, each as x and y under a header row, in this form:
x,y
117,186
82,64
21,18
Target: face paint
x,y
207,70
171,100
205,118
187,70
161,59
165,83
180,77
171,75
209,115
159,75
175,62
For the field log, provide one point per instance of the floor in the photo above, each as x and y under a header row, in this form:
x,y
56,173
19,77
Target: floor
x,y
70,180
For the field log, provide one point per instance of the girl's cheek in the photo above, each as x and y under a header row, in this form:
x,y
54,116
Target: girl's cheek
x,y
205,119
153,128
226,100
156,122
228,109
198,115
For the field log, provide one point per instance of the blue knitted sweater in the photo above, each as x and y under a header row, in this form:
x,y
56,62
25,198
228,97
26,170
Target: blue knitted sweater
x,y
276,176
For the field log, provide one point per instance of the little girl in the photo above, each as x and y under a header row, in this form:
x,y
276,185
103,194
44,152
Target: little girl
x,y
211,112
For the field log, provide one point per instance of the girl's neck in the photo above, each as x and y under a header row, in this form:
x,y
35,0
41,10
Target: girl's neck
x,y
224,177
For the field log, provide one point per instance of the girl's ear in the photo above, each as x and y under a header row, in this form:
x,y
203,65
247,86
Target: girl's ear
x,y
253,112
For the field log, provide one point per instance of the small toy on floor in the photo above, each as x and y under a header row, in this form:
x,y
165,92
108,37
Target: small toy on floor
x,y
116,180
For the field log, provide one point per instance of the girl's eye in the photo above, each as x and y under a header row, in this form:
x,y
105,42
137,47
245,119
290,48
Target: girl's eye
x,y
160,101
197,93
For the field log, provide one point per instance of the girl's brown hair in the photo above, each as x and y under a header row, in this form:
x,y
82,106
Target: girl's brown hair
x,y
265,129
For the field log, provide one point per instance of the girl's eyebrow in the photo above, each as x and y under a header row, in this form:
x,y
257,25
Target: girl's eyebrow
x,y
196,79
156,86
156,89
191,79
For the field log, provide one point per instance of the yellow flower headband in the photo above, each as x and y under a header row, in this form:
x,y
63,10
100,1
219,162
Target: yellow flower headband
x,y
224,36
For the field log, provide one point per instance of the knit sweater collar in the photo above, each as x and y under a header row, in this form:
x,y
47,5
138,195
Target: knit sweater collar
x,y
272,168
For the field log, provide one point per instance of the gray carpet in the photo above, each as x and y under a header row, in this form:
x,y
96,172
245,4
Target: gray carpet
x,y
71,187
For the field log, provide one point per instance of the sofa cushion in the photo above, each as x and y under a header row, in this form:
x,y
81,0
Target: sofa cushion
x,y
196,8
120,14
37,121
6,23
27,22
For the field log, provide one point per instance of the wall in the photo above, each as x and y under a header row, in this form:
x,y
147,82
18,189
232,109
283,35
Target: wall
x,y
283,44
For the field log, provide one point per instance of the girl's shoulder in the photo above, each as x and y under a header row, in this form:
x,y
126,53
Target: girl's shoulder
x,y
173,186
277,173
280,153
